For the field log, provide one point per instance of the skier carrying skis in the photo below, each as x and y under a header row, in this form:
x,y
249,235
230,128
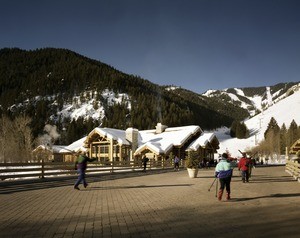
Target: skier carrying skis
x,y
244,165
224,171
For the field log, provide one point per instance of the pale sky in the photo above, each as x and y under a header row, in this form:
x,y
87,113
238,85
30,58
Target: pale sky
x,y
196,44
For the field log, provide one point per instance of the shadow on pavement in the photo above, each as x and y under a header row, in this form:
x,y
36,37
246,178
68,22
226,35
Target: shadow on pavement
x,y
277,195
139,186
35,184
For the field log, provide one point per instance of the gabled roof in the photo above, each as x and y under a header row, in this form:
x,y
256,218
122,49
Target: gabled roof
x,y
74,147
41,148
163,142
158,143
154,147
202,141
59,149
110,133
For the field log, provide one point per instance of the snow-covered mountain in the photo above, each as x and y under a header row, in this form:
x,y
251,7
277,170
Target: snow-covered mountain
x,y
254,100
284,110
87,106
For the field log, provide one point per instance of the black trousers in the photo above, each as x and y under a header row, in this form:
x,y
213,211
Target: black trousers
x,y
225,183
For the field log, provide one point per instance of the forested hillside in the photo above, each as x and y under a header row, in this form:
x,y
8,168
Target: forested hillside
x,y
39,83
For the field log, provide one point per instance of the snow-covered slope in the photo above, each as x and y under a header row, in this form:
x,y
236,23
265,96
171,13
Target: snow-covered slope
x,y
254,99
91,107
284,111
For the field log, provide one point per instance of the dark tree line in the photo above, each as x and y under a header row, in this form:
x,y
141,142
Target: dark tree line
x,y
239,130
39,83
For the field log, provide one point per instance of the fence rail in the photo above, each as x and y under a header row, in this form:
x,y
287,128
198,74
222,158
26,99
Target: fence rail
x,y
293,168
10,171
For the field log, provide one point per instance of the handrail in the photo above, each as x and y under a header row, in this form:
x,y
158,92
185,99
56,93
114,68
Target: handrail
x,y
293,168
46,169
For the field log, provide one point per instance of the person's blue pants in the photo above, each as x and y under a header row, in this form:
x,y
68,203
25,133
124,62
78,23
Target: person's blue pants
x,y
245,175
81,178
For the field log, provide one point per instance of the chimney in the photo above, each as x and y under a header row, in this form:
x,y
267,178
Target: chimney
x,y
160,128
132,136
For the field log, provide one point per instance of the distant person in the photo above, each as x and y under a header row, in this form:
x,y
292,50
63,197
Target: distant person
x,y
223,171
252,166
244,165
176,163
203,163
145,161
81,165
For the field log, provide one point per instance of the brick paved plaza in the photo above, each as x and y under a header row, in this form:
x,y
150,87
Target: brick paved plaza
x,y
152,204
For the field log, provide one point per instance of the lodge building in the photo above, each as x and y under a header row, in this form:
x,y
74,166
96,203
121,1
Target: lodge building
x,y
109,144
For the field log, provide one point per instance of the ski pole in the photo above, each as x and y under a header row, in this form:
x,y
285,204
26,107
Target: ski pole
x,y
217,189
212,184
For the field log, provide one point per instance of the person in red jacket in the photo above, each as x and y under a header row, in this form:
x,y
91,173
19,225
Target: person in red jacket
x,y
244,165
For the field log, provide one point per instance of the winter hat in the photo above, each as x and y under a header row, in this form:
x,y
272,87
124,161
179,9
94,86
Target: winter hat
x,y
225,155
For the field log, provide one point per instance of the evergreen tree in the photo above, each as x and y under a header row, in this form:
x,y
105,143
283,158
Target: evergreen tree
x,y
293,133
239,130
272,137
283,139
242,131
272,127
233,128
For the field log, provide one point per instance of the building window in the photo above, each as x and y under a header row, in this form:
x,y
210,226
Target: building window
x,y
104,149
116,149
95,149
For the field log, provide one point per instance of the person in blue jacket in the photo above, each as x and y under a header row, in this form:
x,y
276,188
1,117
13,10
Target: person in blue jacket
x,y
81,165
223,171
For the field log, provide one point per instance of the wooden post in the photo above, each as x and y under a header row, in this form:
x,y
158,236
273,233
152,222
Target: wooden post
x,y
43,168
111,154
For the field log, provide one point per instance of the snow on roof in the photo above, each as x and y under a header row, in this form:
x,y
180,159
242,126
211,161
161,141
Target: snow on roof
x,y
154,147
76,146
201,141
163,142
40,147
115,134
159,143
59,149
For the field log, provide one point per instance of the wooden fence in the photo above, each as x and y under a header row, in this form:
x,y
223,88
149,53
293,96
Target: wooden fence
x,y
293,168
52,169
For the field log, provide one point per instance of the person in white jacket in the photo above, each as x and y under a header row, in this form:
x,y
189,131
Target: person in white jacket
x,y
223,171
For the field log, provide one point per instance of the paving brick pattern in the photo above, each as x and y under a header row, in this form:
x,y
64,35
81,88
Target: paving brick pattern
x,y
153,204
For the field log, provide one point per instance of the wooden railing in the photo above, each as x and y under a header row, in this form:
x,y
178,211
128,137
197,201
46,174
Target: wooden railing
x,y
293,168
52,169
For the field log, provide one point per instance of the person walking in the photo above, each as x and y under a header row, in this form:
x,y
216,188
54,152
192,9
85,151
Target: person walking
x,y
145,160
244,165
176,163
81,165
223,172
